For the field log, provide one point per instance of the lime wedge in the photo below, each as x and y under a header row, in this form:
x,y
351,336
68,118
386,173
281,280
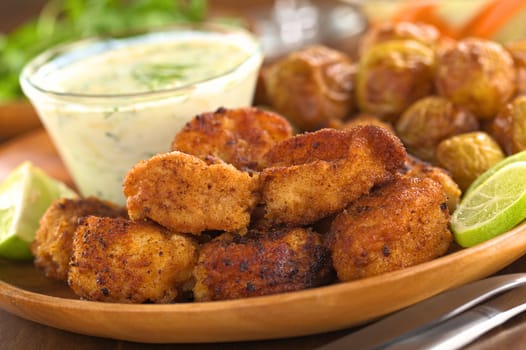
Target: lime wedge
x,y
517,157
495,206
25,195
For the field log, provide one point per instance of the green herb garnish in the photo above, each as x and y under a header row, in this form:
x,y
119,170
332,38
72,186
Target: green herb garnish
x,y
158,74
67,20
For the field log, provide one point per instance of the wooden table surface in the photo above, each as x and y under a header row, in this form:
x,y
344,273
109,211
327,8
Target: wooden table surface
x,y
18,333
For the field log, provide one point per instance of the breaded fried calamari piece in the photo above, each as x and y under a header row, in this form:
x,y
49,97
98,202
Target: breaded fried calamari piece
x,y
317,174
185,194
52,246
366,119
418,168
237,136
118,260
398,225
232,266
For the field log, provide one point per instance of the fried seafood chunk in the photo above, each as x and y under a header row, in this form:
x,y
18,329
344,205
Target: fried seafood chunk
x,y
237,136
366,119
281,260
317,174
415,167
185,194
119,260
398,225
312,86
52,246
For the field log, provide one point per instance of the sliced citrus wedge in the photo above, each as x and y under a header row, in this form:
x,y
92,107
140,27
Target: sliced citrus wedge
x,y
517,157
495,206
25,195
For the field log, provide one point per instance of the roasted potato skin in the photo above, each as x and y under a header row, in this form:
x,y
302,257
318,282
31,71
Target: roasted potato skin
x,y
467,156
400,224
387,31
509,126
119,260
53,243
261,263
238,136
430,120
477,74
392,75
517,50
311,87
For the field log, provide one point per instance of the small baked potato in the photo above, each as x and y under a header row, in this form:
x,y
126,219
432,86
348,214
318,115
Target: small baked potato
x,y
311,87
467,156
392,75
477,74
430,120
509,126
387,31
518,52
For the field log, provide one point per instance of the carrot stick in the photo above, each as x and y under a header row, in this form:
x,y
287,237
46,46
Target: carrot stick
x,y
425,13
493,16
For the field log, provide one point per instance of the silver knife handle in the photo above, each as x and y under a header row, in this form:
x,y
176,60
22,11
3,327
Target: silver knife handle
x,y
458,331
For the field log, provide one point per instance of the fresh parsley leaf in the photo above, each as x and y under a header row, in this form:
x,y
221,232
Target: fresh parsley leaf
x,y
66,20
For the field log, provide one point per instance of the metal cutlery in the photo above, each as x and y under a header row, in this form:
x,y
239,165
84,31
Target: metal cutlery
x,y
428,320
461,330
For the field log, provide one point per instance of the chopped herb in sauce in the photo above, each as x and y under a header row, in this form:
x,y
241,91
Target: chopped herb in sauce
x,y
159,74
144,63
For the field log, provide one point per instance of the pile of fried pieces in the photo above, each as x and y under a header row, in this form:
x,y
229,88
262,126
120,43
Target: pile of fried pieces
x,y
316,189
239,207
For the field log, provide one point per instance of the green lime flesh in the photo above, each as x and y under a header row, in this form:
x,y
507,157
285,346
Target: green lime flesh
x,y
25,195
497,205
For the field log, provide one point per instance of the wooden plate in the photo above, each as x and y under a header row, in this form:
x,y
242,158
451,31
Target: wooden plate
x,y
24,291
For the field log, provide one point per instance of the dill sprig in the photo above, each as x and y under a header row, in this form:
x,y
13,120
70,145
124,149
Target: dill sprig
x,y
154,75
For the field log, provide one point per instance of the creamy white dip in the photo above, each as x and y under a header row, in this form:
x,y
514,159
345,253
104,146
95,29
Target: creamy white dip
x,y
109,104
149,66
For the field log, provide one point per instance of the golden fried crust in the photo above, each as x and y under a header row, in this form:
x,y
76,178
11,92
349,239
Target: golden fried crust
x,y
183,193
400,224
232,267
366,119
314,175
415,167
53,241
118,260
324,144
237,136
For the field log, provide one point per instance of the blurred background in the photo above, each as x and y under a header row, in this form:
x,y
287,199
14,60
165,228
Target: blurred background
x,y
27,27
502,19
